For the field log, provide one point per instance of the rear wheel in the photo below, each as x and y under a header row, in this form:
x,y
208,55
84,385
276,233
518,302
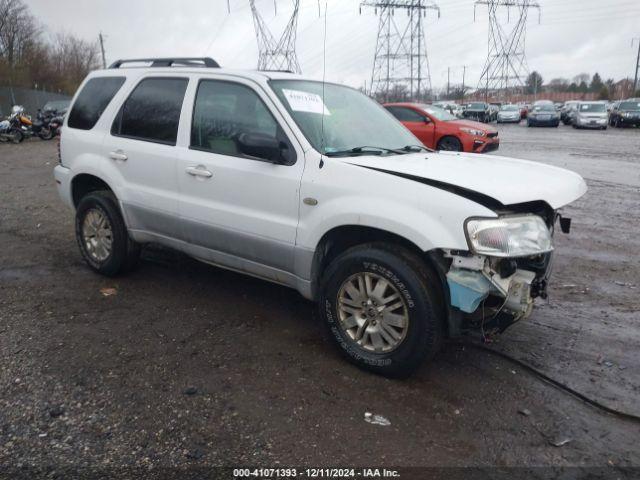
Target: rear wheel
x,y
382,308
451,144
102,235
46,134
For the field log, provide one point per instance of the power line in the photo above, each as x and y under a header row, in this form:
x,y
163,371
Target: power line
x,y
401,62
506,65
276,54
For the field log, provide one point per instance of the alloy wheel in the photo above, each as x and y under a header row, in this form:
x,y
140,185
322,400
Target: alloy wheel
x,y
372,312
97,235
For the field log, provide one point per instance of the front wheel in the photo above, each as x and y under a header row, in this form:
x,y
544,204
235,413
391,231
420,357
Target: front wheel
x,y
451,144
382,308
17,137
102,235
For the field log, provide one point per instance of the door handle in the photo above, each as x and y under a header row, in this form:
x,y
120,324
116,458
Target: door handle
x,y
199,171
118,155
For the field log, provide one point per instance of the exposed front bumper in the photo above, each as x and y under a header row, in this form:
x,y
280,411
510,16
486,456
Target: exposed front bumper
x,y
546,122
511,119
634,121
485,144
591,122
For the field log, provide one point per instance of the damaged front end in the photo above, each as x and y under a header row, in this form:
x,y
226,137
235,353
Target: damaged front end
x,y
494,283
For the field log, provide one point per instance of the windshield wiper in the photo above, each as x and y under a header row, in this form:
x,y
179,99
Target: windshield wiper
x,y
364,150
416,148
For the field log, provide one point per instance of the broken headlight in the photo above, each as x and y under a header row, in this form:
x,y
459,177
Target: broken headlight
x,y
512,236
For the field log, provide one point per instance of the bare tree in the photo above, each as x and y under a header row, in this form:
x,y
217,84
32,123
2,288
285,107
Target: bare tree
x,y
18,31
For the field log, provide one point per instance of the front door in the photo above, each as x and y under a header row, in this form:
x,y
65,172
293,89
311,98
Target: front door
x,y
239,208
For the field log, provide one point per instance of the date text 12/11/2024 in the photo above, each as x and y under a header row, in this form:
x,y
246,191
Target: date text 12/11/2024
x,y
315,473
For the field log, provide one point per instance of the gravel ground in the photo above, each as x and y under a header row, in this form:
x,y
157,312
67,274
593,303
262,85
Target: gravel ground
x,y
185,365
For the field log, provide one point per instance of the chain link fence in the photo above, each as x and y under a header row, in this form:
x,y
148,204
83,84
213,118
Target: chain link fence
x,y
31,100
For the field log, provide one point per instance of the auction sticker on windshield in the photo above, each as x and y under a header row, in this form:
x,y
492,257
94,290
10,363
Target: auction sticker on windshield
x,y
305,102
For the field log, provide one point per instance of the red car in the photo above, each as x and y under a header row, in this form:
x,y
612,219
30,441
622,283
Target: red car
x,y
438,129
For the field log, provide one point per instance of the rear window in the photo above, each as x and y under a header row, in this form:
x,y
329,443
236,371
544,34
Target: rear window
x,y
92,101
152,111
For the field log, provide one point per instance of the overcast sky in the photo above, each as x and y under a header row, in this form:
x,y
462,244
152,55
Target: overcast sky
x,y
574,36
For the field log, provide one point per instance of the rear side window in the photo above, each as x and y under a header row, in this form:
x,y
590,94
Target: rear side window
x,y
405,114
92,101
152,111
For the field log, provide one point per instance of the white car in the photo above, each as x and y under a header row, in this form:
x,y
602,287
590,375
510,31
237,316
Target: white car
x,y
313,186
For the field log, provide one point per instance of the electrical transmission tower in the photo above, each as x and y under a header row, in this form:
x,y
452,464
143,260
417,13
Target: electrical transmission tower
x,y
276,54
401,63
506,66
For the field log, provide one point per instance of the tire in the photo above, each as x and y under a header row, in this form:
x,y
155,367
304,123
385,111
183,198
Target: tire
x,y
46,136
420,299
18,137
450,144
123,254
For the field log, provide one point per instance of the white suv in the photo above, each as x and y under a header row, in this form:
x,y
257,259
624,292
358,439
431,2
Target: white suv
x,y
314,186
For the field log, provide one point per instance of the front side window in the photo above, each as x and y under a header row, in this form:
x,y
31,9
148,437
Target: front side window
x,y
152,111
225,110
92,101
405,114
340,119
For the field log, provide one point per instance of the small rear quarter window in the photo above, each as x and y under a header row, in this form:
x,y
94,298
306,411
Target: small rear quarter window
x,y
92,101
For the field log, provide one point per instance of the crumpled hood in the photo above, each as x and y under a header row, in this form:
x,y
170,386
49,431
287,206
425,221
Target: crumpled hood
x,y
507,180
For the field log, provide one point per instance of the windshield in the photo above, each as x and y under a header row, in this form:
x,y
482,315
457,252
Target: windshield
x,y
438,112
510,108
477,106
545,107
56,105
351,119
592,107
630,106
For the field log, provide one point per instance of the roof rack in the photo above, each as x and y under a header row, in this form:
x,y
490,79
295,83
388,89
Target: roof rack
x,y
170,62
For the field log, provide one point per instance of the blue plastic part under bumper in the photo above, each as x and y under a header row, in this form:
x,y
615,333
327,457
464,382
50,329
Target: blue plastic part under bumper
x,y
467,289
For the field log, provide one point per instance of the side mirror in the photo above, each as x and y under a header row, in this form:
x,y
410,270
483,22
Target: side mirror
x,y
262,146
427,120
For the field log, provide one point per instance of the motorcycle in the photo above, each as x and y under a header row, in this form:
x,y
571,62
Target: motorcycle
x,y
46,127
16,127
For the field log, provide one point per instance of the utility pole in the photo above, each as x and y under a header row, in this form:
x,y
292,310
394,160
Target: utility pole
x,y
635,81
464,72
104,58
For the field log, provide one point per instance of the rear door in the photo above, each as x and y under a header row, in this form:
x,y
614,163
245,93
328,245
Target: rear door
x,y
142,155
242,208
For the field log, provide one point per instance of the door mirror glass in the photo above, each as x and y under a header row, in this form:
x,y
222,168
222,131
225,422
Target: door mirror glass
x,y
262,146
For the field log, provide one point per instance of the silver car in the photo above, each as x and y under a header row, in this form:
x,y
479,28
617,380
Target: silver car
x,y
509,114
590,115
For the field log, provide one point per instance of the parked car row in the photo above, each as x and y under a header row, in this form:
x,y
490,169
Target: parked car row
x,y
578,113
